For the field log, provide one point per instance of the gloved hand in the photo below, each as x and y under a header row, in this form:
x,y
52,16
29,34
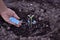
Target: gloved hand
x,y
9,13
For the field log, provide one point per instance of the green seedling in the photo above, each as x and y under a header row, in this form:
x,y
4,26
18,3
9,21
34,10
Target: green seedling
x,y
30,19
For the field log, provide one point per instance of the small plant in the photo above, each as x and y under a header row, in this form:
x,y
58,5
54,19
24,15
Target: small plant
x,y
30,19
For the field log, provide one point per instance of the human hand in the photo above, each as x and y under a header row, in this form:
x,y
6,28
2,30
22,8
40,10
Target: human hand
x,y
10,13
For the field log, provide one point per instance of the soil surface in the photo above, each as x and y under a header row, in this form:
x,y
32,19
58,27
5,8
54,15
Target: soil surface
x,y
41,20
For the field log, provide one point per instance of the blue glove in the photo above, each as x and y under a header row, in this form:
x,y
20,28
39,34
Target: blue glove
x,y
14,20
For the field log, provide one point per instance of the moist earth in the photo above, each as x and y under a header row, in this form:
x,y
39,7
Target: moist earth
x,y
44,25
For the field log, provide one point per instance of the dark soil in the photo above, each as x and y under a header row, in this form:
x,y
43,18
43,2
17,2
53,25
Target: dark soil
x,y
46,17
